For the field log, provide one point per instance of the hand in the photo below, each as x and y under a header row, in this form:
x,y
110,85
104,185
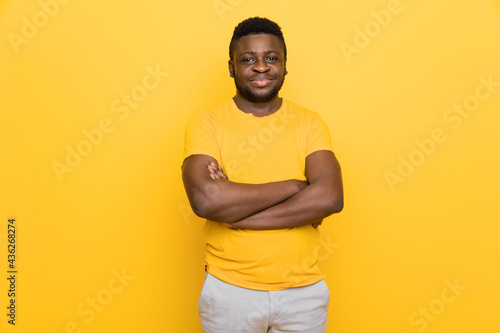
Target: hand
x,y
216,171
317,223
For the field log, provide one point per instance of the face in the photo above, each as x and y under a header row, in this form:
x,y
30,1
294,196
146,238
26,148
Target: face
x,y
258,67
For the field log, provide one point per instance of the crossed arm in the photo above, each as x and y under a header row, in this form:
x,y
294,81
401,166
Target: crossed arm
x,y
275,205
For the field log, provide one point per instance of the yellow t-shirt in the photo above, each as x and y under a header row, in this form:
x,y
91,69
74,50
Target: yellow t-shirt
x,y
260,150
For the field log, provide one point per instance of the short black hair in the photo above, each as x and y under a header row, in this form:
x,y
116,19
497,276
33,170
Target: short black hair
x,y
255,26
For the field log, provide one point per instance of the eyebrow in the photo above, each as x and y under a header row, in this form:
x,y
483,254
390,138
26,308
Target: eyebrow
x,y
253,52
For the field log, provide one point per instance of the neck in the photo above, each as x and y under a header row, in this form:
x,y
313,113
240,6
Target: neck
x,y
258,109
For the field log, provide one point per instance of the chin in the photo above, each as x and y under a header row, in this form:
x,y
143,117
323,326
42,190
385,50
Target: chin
x,y
258,97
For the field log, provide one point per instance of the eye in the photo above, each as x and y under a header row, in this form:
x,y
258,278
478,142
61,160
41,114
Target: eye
x,y
247,59
272,58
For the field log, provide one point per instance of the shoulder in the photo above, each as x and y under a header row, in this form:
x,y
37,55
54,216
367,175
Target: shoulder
x,y
300,111
211,114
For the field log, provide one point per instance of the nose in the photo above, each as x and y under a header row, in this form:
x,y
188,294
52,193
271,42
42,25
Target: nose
x,y
260,66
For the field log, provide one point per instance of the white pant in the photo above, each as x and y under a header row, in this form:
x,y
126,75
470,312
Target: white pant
x,y
226,308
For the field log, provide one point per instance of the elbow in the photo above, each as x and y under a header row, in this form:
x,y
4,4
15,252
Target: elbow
x,y
203,212
199,211
201,206
205,208
334,204
338,205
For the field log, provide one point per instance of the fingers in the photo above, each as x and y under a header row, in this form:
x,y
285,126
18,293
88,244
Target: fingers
x,y
218,174
317,224
216,171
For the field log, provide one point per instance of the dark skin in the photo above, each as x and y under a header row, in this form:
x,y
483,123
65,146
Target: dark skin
x,y
214,197
258,56
259,67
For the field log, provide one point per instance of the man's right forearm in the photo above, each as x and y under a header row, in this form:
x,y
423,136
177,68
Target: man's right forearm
x,y
214,197
226,201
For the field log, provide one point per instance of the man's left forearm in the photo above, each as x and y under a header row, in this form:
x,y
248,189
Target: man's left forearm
x,y
306,207
321,198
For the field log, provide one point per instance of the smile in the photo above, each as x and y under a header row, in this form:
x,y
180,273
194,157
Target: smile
x,y
261,82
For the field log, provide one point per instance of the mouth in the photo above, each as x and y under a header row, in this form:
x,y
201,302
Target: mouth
x,y
261,81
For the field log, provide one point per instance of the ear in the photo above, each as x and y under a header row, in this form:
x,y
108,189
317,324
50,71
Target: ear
x,y
230,65
284,66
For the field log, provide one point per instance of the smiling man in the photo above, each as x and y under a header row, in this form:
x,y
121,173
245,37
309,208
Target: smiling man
x,y
261,170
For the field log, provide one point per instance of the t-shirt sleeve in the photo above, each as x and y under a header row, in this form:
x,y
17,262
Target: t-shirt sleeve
x,y
201,136
317,136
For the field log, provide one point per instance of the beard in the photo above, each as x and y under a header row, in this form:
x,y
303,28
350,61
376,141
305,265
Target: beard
x,y
251,96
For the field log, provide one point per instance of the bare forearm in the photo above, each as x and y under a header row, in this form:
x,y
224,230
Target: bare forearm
x,y
214,197
306,207
323,197
226,201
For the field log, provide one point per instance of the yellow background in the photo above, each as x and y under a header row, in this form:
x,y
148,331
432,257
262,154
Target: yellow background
x,y
123,207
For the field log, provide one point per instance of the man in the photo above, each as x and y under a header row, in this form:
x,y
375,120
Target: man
x,y
261,170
